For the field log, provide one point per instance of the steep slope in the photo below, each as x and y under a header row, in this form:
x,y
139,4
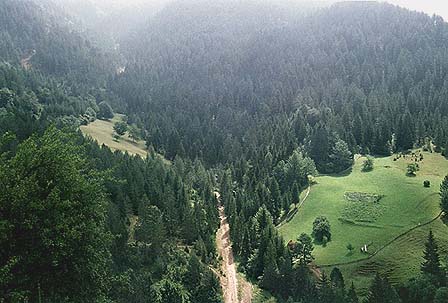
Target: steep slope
x,y
39,35
222,71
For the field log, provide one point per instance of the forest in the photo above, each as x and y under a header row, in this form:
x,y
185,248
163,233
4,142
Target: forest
x,y
243,104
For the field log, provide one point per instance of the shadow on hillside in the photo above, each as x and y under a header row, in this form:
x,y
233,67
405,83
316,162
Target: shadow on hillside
x,y
343,173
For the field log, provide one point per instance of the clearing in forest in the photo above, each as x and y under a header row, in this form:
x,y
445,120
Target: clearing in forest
x,y
102,131
373,208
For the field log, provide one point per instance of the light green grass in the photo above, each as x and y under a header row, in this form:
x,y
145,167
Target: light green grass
x,y
405,204
102,131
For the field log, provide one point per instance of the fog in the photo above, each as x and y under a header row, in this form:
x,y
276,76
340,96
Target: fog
x,y
439,7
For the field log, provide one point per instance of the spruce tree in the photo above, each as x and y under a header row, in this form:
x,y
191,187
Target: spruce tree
x,y
444,195
326,294
304,249
381,292
352,297
431,264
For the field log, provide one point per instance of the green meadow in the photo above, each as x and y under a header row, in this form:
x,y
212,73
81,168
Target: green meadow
x,y
373,208
102,131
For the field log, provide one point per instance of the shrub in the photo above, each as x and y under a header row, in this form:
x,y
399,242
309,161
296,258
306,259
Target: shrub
x,y
426,183
367,165
321,229
120,128
105,111
412,169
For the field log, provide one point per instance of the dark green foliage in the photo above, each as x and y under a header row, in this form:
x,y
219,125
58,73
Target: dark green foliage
x,y
52,218
337,280
304,249
321,229
367,165
431,264
149,228
444,195
441,295
120,128
427,183
352,297
421,290
412,169
341,157
105,111
252,119
382,292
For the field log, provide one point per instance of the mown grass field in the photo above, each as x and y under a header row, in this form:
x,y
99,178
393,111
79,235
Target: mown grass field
x,y
404,204
102,131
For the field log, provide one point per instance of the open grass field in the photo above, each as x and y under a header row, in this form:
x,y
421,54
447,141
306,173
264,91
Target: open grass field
x,y
102,131
373,208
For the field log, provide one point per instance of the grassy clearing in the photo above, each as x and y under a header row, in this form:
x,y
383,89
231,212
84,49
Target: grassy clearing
x,y
402,202
102,131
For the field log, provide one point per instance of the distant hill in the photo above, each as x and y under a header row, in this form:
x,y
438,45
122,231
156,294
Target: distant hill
x,y
225,64
38,35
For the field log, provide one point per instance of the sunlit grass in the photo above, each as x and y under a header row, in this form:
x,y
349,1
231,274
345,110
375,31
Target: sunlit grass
x,y
405,203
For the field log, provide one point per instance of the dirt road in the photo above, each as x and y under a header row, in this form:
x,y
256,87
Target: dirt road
x,y
228,278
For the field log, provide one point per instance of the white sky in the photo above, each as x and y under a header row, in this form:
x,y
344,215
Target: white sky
x,y
438,7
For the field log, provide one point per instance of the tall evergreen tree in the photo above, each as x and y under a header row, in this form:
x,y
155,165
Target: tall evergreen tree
x,y
431,264
444,195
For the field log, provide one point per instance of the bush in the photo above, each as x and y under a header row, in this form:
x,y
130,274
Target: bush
x,y
426,183
90,114
321,229
105,111
412,169
367,165
120,128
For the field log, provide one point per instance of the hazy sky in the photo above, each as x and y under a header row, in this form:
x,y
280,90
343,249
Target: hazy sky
x,y
439,7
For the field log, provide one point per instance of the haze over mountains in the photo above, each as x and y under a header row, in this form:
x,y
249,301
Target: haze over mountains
x,y
244,109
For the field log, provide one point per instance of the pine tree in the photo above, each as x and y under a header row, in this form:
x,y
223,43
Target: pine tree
x,y
326,294
352,297
381,292
444,195
304,249
431,266
337,280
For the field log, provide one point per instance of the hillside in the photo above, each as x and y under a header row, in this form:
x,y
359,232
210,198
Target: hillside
x,y
403,204
102,132
264,112
40,35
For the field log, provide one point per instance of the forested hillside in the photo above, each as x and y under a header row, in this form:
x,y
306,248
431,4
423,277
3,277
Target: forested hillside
x,y
245,100
363,71
39,34
79,223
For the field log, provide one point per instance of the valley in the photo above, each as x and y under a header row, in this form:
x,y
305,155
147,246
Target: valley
x,y
225,151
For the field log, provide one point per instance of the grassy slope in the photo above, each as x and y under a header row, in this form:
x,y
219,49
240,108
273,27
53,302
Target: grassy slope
x,y
406,203
102,131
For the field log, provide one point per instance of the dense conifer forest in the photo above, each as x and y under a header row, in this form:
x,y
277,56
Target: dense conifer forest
x,y
239,103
